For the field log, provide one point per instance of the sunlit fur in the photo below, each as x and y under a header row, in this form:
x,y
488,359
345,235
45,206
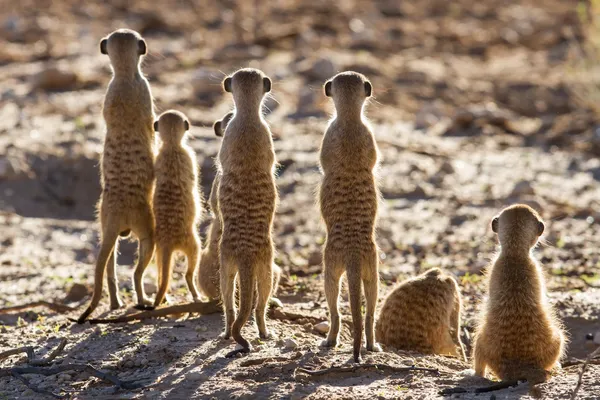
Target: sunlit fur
x,y
126,167
247,198
423,314
348,198
518,336
177,203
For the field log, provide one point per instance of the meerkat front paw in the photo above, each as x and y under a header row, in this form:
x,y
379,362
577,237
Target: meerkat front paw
x,y
376,347
274,302
145,304
116,303
328,343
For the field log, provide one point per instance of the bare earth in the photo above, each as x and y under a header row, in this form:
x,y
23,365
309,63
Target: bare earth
x,y
471,113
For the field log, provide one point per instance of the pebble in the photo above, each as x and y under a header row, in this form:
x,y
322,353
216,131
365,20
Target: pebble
x,y
322,327
289,344
201,328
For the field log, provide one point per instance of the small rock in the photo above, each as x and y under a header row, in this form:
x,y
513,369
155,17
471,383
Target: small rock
x,y
320,69
54,78
315,258
64,377
128,364
201,328
322,327
77,292
196,377
522,188
289,344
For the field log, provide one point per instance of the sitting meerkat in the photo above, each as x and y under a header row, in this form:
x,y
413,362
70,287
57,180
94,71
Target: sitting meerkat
x,y
518,336
423,314
348,198
126,166
209,273
247,198
177,203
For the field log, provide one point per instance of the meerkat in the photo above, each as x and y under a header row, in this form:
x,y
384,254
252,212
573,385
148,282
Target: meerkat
x,y
348,198
518,336
177,204
247,198
209,273
126,166
423,314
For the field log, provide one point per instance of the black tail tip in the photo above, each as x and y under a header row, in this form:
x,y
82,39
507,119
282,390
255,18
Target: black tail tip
x,y
125,233
233,353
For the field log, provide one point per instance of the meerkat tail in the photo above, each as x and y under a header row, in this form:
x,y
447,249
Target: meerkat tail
x,y
247,282
353,273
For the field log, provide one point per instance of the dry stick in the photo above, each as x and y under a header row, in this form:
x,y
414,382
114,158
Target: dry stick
x,y
497,386
211,307
26,349
354,368
583,368
71,367
61,308
30,355
571,363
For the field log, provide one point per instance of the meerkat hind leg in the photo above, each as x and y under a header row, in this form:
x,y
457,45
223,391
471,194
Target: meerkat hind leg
x,y
371,286
264,283
333,273
112,280
109,238
228,273
192,254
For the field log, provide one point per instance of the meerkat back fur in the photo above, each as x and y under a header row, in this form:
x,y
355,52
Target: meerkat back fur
x,y
423,314
177,203
348,199
210,265
518,336
126,166
247,198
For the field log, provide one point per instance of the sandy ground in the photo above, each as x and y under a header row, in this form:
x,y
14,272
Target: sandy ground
x,y
472,112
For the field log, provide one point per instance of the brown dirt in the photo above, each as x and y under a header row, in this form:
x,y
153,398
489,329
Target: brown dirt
x,y
472,112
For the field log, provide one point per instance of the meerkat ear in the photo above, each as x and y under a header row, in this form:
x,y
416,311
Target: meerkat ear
x,y
142,47
217,129
328,88
267,84
227,84
104,46
368,88
495,225
186,125
541,228
155,126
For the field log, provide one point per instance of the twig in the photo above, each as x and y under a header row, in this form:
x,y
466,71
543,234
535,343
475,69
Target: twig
x,y
358,367
71,367
34,387
212,307
60,308
497,386
575,361
257,361
30,354
583,368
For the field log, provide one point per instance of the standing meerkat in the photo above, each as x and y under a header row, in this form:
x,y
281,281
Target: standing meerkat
x,y
210,265
423,314
177,204
348,199
518,336
126,166
247,197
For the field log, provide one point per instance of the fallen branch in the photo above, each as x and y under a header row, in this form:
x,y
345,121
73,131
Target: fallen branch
x,y
212,307
60,308
34,387
71,367
497,386
258,361
583,368
30,354
358,367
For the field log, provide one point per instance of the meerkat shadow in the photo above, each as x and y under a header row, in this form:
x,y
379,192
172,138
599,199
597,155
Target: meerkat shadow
x,y
472,384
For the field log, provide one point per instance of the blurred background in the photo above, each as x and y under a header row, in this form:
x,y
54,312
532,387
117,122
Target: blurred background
x,y
476,105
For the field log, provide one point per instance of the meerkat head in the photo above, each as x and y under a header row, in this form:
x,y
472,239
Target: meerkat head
x,y
518,226
220,125
248,86
172,126
124,47
348,89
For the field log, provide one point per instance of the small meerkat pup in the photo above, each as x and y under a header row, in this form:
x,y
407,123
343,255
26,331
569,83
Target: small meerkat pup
x,y
126,166
423,314
209,274
247,197
177,203
518,336
348,199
